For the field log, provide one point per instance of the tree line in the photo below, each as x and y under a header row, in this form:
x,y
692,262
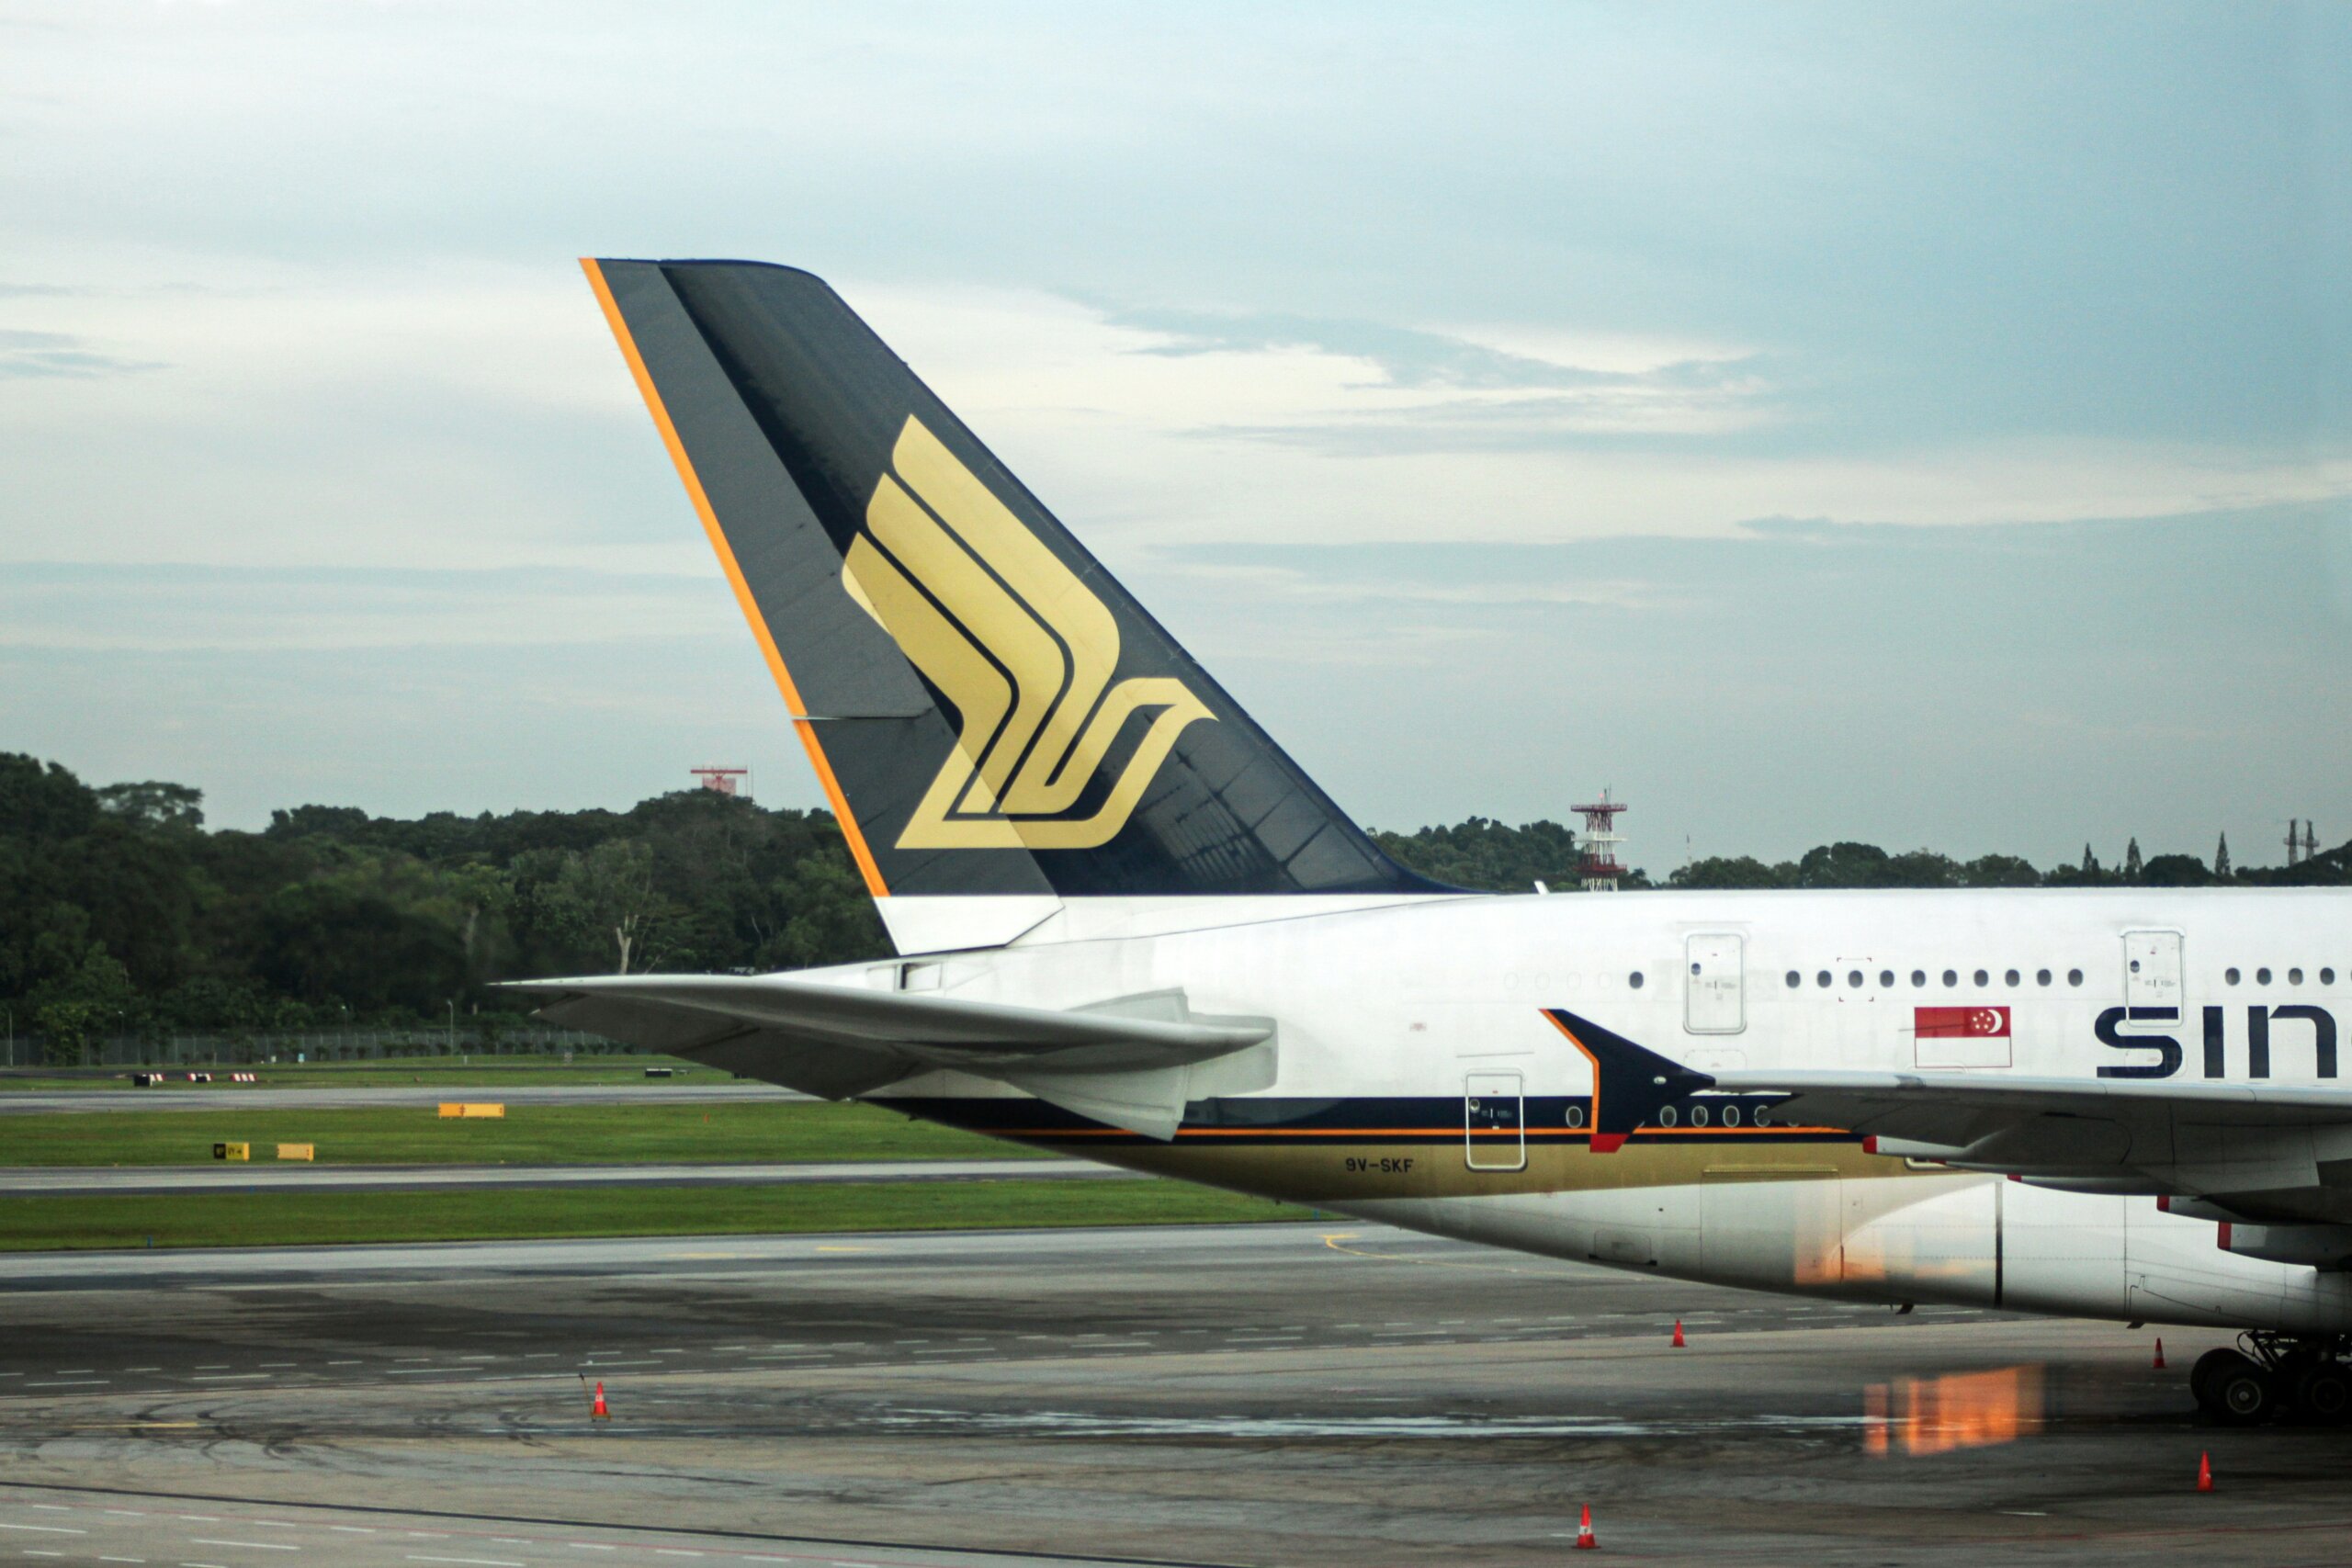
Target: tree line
x,y
1491,856
121,912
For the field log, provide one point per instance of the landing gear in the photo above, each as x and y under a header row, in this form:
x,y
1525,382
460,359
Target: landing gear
x,y
2272,1376
2323,1394
2242,1393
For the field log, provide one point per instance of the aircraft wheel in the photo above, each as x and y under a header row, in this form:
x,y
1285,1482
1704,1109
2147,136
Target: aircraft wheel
x,y
2245,1396
2207,1373
2323,1394
2209,1368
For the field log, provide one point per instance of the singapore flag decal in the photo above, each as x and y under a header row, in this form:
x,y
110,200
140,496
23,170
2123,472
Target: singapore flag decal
x,y
1961,1023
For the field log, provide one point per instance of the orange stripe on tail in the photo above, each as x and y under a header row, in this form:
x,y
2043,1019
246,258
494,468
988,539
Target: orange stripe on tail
x,y
800,722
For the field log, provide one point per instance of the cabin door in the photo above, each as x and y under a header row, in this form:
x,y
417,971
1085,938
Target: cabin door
x,y
2151,971
1713,1000
1494,1126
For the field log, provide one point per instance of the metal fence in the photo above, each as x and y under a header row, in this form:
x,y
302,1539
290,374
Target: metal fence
x,y
251,1047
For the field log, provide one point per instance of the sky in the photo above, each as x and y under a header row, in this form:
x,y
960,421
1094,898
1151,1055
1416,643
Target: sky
x,y
1926,424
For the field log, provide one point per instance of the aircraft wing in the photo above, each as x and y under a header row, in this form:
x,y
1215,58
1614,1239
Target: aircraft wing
x,y
1122,1061
2259,1151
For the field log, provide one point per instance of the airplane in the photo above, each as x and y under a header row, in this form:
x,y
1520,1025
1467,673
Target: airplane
x,y
1130,928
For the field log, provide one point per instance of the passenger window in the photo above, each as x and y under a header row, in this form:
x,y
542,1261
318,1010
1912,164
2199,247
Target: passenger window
x,y
1854,979
2231,975
1731,1116
1698,1116
1665,1117
1822,979
1950,979
2294,977
2074,977
1795,980
2262,977
1634,979
2041,976
2327,976
1575,1115
1886,979
2010,978
1983,978
1919,978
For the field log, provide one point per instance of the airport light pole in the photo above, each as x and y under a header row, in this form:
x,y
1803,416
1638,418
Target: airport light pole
x,y
453,1026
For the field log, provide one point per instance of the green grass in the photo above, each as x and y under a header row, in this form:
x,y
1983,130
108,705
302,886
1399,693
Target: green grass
x,y
723,1133
502,1071
298,1219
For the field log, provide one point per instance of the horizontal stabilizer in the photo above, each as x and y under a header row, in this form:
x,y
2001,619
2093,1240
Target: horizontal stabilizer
x,y
839,1039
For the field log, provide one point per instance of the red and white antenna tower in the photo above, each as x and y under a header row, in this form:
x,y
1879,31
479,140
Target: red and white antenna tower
x,y
1601,868
726,781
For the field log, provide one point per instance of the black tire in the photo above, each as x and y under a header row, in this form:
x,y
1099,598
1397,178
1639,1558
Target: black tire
x,y
2245,1396
2323,1394
2208,1366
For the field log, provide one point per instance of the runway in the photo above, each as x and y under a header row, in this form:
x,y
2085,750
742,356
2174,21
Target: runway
x,y
19,1181
1274,1395
241,1096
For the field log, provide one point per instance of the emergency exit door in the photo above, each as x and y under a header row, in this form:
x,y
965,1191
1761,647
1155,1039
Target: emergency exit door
x,y
1713,999
1494,1132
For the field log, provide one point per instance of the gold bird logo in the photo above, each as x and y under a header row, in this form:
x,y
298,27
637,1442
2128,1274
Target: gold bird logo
x,y
1020,646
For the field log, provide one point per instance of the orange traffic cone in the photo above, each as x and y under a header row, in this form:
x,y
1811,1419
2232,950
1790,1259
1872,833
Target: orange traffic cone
x,y
2160,1353
2204,1472
1585,1540
1678,1334
596,1410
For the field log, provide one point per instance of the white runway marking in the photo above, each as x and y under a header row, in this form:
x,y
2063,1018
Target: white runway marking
x,y
244,1545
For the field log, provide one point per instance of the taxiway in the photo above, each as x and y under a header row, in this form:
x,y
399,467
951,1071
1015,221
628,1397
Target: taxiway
x,y
1270,1394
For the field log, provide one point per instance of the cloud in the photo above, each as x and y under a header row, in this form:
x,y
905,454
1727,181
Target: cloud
x,y
32,353
1477,395
185,609
469,417
1989,687
1606,334
1145,428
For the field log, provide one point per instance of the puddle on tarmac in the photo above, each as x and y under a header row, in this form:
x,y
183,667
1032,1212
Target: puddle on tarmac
x,y
1073,1423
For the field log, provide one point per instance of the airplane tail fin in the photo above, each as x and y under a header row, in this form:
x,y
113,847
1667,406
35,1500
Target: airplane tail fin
x,y
988,711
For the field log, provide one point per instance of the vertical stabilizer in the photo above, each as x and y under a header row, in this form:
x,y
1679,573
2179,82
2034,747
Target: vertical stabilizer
x,y
989,713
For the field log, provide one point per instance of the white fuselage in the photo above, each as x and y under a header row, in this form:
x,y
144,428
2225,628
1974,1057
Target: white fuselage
x,y
1397,1025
